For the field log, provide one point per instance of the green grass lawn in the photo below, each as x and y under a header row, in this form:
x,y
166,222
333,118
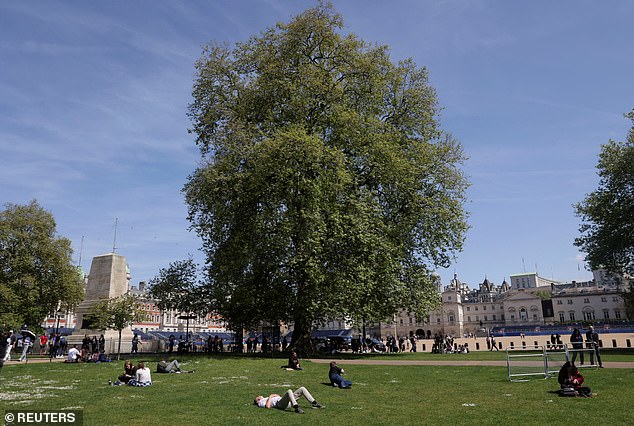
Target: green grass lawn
x,y
222,389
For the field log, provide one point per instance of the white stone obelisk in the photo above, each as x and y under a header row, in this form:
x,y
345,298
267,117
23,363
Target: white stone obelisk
x,y
108,278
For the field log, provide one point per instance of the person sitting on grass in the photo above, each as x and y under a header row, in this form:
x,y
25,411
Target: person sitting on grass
x,y
571,382
129,373
143,377
164,366
293,362
335,376
289,399
73,354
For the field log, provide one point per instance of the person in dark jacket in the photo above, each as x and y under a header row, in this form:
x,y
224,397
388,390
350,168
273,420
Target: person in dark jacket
x,y
592,342
129,372
576,339
293,362
335,376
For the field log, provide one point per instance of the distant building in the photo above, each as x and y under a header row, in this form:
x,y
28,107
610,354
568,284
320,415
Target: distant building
x,y
528,300
157,320
537,301
529,280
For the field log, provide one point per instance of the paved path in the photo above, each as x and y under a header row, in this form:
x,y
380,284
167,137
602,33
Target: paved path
x,y
34,360
457,362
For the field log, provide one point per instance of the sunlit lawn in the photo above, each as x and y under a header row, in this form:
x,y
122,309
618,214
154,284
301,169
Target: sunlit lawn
x,y
222,389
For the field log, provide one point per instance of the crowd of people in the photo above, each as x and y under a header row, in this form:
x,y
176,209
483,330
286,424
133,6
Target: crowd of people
x,y
54,345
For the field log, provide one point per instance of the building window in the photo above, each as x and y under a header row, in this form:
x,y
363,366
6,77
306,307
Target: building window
x,y
560,302
562,317
512,318
448,297
617,314
493,317
586,300
484,308
468,308
476,308
615,299
477,317
572,316
604,299
468,319
606,314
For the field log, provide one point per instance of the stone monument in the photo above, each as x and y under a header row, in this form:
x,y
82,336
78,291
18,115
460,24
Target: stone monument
x,y
108,278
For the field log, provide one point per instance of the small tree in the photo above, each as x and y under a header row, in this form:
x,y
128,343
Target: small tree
x,y
116,314
177,288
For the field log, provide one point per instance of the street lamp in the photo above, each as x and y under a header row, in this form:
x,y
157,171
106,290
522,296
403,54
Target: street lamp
x,y
58,315
187,317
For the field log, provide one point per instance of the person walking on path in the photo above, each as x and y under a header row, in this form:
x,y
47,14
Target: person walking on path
x,y
10,341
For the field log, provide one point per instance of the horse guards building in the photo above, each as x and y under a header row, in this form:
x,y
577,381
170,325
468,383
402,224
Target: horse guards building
x,y
529,302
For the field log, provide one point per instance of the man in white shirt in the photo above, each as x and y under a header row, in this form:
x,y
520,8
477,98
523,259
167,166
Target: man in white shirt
x,y
73,354
289,399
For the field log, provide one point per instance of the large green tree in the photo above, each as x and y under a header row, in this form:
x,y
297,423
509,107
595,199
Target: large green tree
x,y
36,268
607,231
327,188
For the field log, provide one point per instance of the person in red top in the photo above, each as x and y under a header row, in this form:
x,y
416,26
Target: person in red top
x,y
570,378
43,342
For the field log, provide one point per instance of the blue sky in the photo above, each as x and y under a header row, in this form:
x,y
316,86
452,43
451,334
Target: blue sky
x,y
93,99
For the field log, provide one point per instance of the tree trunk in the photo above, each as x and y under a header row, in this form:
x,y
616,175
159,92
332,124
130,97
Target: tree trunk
x,y
119,347
239,346
302,343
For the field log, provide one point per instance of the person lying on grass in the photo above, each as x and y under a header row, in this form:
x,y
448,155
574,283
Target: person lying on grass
x,y
288,400
164,366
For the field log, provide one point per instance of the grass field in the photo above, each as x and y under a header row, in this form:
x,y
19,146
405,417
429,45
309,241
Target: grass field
x,y
222,389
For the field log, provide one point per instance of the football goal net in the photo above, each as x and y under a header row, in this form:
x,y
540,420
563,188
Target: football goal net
x,y
528,362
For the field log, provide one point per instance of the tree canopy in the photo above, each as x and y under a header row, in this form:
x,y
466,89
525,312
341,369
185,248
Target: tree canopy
x,y
607,231
327,188
36,268
177,288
